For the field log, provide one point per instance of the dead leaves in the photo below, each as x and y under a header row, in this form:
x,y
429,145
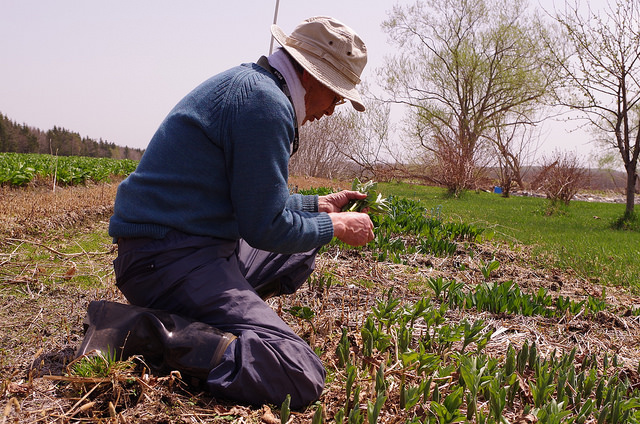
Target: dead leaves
x,y
268,417
71,271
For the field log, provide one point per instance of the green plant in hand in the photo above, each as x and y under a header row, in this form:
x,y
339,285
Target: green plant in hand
x,y
374,203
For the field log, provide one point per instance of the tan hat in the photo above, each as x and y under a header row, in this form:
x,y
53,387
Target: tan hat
x,y
330,51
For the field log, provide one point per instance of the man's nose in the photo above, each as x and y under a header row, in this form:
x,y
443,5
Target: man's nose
x,y
330,110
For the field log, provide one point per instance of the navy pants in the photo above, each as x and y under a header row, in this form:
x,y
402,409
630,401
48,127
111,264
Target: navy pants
x,y
213,281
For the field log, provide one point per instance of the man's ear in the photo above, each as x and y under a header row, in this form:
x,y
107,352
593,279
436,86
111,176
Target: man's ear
x,y
309,82
306,78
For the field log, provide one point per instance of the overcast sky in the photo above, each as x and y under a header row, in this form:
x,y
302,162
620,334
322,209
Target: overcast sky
x,y
113,69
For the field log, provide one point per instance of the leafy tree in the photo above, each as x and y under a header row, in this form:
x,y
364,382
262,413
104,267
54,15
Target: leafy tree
x,y
602,76
462,66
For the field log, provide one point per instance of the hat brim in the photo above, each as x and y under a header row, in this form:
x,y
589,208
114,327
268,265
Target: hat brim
x,y
321,70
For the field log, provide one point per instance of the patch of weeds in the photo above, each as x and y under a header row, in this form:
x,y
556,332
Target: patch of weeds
x,y
321,282
28,251
318,416
303,313
320,191
285,412
487,268
418,284
361,282
438,285
457,383
331,375
96,241
437,246
100,365
53,262
552,208
109,384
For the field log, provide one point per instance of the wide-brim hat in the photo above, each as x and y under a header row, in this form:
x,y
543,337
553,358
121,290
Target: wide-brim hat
x,y
330,51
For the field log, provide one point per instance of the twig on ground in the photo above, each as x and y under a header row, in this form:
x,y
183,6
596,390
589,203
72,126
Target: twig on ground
x,y
9,256
68,255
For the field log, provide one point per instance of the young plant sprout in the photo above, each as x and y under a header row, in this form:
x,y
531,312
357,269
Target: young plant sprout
x,y
374,203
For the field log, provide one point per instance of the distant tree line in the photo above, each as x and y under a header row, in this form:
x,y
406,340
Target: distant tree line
x,y
21,138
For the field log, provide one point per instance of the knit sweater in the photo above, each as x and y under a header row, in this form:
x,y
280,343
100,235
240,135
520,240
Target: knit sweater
x,y
218,166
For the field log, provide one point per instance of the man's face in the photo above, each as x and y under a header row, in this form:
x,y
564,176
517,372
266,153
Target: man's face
x,y
318,99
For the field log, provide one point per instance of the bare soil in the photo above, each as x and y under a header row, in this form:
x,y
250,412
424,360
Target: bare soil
x,y
47,279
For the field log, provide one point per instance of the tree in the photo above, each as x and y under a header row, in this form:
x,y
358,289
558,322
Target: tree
x,y
602,77
462,65
514,147
347,143
22,138
447,161
368,144
317,155
4,137
28,141
561,177
64,142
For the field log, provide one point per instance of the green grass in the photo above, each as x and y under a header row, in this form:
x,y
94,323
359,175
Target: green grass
x,y
101,365
77,260
578,237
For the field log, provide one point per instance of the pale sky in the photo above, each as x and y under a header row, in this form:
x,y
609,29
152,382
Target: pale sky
x,y
114,69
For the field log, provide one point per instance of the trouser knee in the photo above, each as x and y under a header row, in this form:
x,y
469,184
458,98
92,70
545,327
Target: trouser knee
x,y
310,388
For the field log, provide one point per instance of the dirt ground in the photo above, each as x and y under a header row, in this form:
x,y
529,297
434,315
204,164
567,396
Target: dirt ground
x,y
47,279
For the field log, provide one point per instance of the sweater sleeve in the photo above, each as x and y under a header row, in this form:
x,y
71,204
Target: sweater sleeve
x,y
257,158
307,203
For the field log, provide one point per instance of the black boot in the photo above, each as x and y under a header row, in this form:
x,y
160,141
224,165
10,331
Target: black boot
x,y
166,341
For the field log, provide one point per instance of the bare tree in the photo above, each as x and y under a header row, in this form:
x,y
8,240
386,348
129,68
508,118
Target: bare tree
x,y
514,146
317,155
602,76
561,177
347,144
461,65
369,147
447,162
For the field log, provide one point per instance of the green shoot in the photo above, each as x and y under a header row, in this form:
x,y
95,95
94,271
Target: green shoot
x,y
100,365
374,202
285,412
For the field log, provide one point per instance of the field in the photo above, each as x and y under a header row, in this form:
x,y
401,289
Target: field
x,y
18,169
579,237
453,314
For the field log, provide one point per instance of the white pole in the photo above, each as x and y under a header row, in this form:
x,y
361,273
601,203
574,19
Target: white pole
x,y
275,20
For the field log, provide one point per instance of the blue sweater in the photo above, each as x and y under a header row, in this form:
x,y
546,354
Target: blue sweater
x,y
218,166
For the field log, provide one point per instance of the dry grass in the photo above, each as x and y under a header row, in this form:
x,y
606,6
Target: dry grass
x,y
38,209
55,257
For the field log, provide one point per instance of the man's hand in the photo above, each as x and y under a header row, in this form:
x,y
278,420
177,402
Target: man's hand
x,y
334,202
353,228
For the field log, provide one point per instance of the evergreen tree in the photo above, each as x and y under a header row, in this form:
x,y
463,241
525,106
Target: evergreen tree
x,y
57,141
